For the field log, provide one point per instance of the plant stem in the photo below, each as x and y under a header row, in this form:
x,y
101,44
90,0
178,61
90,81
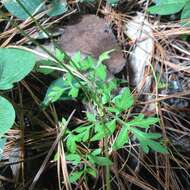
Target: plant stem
x,y
107,177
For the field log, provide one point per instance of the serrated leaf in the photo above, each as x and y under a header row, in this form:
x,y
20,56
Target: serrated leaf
x,y
74,91
144,146
91,117
7,115
71,143
74,158
76,59
140,121
15,64
55,91
59,55
99,132
104,56
91,171
156,146
98,136
101,161
121,139
167,7
101,72
74,176
111,126
84,136
82,129
96,151
153,135
87,63
146,141
17,10
124,100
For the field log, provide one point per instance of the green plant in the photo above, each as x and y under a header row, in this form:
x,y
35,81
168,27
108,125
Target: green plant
x,y
23,9
167,7
15,64
104,118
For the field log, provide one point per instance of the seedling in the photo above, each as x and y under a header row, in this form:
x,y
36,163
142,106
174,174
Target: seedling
x,y
106,113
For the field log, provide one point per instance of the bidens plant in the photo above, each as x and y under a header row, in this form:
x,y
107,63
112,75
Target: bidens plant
x,y
106,121
15,64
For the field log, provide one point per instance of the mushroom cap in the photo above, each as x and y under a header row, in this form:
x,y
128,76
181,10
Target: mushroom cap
x,y
93,36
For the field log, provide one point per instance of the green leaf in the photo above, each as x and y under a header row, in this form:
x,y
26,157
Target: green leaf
x,y
113,2
74,158
2,145
101,72
98,136
96,152
74,176
59,54
185,15
17,10
104,56
156,146
76,59
111,126
87,63
74,91
140,121
56,156
84,136
91,117
121,139
144,146
57,8
82,128
167,7
71,143
146,141
7,115
15,64
56,90
91,171
101,161
153,135
99,132
124,100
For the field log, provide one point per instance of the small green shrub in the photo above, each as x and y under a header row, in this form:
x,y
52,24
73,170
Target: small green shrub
x,y
104,119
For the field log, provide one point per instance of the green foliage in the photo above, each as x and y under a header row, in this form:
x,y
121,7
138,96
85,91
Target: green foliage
x,y
57,8
16,9
108,109
2,144
167,7
7,115
15,64
22,9
113,2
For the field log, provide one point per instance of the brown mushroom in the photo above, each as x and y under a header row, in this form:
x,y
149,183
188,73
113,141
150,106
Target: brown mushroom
x,y
92,35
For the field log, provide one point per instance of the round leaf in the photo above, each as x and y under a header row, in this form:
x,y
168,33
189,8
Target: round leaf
x,y
17,10
7,115
15,64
